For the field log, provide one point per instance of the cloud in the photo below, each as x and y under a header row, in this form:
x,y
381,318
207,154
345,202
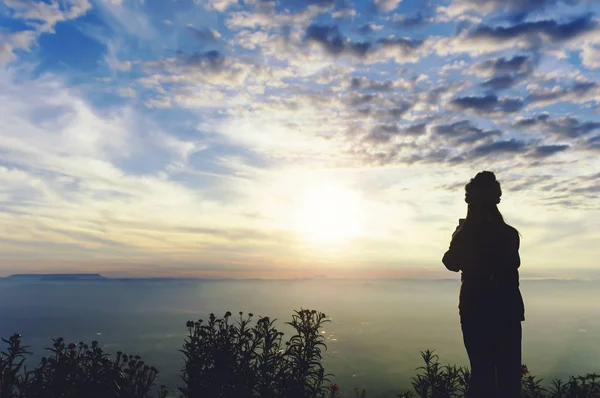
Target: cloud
x,y
566,127
549,29
593,143
346,12
483,39
387,5
332,41
410,21
219,5
383,133
501,82
485,7
212,60
42,17
590,56
488,104
204,35
113,48
544,151
85,177
285,19
504,73
9,42
369,28
512,146
6,54
362,83
463,131
520,64
578,92
45,15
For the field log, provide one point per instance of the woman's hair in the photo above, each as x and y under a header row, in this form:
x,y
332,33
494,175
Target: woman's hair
x,y
483,194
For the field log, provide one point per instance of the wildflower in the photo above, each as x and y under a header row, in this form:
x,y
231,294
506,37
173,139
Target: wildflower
x,y
524,370
334,389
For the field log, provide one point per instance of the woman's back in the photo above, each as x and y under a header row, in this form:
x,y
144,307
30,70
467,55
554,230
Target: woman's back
x,y
488,256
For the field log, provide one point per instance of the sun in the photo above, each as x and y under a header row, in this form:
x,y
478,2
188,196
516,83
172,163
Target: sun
x,y
328,214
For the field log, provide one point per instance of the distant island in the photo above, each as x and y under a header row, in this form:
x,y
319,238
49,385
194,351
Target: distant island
x,y
58,277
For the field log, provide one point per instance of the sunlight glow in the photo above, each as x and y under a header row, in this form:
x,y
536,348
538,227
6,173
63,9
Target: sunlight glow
x,y
328,214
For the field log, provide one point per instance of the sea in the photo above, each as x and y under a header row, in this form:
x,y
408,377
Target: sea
x,y
378,327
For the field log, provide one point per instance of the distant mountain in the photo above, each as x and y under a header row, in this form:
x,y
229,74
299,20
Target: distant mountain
x,y
57,277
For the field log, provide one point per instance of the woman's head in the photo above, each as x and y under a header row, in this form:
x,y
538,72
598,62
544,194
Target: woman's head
x,y
483,189
483,194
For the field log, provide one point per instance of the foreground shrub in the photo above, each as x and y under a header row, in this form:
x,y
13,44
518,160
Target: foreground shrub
x,y
74,371
235,359
243,360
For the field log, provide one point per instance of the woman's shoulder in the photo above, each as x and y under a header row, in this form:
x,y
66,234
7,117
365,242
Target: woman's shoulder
x,y
511,231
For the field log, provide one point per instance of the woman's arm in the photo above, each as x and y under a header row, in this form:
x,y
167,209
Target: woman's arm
x,y
452,258
515,243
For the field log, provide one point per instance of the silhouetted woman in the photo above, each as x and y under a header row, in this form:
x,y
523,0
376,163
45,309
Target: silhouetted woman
x,y
486,250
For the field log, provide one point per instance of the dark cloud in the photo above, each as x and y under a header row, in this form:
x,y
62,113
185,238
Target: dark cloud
x,y
501,82
213,59
568,126
576,92
516,64
550,28
416,129
362,83
331,39
333,42
463,131
519,8
506,72
383,133
547,150
355,99
499,147
412,21
400,42
488,104
593,143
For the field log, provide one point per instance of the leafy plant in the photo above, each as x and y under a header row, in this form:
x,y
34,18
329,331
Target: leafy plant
x,y
235,359
238,359
74,371
436,381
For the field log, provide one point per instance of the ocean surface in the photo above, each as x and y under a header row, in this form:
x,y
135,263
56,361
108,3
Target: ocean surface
x,y
378,327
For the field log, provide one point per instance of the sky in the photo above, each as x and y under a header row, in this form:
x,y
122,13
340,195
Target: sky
x,y
293,138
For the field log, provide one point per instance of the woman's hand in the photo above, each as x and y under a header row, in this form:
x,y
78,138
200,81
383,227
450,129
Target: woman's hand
x,y
461,222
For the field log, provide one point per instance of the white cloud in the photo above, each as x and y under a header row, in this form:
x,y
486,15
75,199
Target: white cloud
x,y
387,5
63,183
112,57
344,13
9,42
127,92
252,20
590,56
45,15
127,17
219,5
6,54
